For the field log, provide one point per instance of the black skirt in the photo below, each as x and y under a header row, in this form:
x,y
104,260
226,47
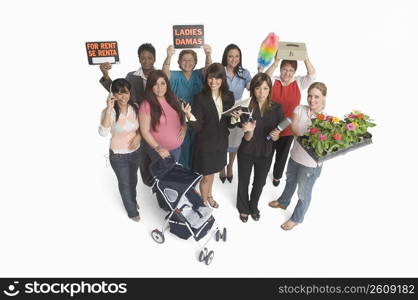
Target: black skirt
x,y
207,163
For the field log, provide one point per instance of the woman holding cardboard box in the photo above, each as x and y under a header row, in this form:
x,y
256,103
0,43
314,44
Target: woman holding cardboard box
x,y
287,91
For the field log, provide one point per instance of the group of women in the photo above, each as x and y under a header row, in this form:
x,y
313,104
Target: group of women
x,y
153,114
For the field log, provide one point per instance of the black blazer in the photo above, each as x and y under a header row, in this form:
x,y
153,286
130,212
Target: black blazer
x,y
212,133
259,146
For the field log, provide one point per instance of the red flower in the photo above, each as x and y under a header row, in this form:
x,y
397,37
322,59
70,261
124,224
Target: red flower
x,y
337,136
314,130
329,118
321,117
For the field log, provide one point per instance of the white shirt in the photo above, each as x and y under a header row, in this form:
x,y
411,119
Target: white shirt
x,y
141,74
297,153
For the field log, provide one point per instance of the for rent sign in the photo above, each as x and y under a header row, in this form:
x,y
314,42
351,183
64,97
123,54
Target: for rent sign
x,y
101,52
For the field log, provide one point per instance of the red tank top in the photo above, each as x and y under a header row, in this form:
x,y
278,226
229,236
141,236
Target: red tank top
x,y
288,97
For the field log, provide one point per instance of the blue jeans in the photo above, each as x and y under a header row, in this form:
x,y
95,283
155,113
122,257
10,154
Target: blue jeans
x,y
303,178
126,170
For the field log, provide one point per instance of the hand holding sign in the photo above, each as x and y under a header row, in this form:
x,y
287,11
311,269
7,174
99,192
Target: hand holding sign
x,y
207,49
170,51
105,67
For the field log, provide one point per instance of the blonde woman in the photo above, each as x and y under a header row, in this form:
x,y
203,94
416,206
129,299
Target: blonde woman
x,y
302,171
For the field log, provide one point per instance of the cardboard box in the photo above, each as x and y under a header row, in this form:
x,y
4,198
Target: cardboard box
x,y
292,51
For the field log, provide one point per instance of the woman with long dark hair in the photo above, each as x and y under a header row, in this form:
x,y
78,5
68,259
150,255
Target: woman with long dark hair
x,y
256,151
238,80
211,126
120,118
161,118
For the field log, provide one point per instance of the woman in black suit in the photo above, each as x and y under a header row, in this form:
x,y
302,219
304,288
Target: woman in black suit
x,y
206,119
256,151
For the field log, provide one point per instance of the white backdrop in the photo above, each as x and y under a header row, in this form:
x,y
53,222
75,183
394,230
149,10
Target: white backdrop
x,y
60,211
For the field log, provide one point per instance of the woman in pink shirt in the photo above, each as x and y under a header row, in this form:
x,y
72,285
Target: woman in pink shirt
x,y
120,118
161,118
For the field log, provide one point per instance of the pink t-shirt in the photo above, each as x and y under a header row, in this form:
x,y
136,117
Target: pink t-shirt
x,y
167,131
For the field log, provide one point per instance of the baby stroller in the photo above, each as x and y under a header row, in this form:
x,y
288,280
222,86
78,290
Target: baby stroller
x,y
174,187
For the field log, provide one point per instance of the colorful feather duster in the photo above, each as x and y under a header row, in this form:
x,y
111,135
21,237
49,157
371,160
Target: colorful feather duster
x,y
268,50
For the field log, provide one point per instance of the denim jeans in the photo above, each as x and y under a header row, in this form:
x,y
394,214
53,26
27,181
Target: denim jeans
x,y
126,170
303,178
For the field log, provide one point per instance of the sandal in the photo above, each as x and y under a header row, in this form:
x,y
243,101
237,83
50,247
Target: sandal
x,y
243,218
276,204
212,203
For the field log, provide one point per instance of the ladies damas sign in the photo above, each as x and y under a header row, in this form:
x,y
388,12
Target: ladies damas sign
x,y
188,36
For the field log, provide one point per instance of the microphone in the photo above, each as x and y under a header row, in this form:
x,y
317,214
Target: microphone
x,y
282,126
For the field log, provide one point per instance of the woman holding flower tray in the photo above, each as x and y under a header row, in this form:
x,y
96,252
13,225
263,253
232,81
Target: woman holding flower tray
x,y
302,171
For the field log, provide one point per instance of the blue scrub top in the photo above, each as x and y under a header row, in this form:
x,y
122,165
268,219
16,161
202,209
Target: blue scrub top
x,y
186,89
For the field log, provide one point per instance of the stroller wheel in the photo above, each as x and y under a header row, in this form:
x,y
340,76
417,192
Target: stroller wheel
x,y
217,235
201,256
158,236
209,257
224,234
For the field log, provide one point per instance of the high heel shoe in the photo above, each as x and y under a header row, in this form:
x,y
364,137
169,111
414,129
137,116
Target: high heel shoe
x,y
230,178
222,178
244,219
255,217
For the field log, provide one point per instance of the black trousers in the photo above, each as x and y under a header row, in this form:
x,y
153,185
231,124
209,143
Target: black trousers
x,y
249,204
282,147
144,163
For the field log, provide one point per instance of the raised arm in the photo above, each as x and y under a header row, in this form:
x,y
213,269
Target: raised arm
x,y
208,55
106,119
273,66
167,61
105,80
309,67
